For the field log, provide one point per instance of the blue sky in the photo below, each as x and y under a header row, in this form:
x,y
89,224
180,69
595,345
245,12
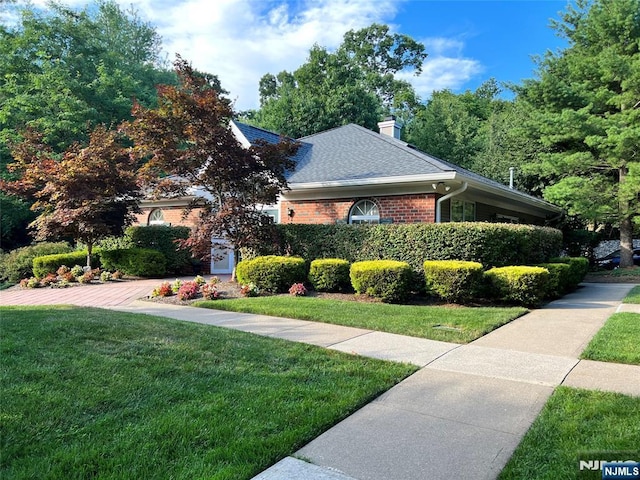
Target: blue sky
x,y
502,36
468,42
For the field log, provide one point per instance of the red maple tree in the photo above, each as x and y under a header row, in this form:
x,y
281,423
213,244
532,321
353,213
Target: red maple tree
x,y
91,192
189,150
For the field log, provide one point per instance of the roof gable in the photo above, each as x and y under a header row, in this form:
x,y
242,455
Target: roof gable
x,y
252,134
352,152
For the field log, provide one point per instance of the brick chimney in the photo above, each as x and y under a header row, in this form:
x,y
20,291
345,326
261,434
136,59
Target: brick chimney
x,y
390,127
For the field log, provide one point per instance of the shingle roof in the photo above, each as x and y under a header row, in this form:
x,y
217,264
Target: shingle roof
x,y
352,152
252,134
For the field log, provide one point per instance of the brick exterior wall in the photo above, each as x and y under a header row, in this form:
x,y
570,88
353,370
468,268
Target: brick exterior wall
x,y
172,216
417,208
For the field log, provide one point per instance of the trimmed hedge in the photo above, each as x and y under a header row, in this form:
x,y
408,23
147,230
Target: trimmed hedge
x,y
138,262
388,280
559,279
453,280
492,244
18,264
578,268
46,264
521,285
163,239
329,275
312,241
272,273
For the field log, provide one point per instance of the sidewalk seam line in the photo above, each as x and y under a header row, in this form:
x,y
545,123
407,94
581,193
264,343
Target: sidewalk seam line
x,y
443,354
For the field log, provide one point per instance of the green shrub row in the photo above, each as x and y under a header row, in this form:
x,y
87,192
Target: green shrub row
x,y
18,264
559,281
523,285
492,244
388,280
393,281
578,268
46,264
138,262
163,238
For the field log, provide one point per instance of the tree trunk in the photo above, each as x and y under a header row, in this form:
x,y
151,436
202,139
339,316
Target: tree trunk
x,y
89,252
626,228
236,259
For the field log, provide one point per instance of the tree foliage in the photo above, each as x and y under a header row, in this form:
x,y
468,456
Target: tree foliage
x,y
89,194
16,216
64,70
587,115
355,84
478,131
191,151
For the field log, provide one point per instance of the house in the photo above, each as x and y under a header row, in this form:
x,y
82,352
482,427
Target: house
x,y
353,175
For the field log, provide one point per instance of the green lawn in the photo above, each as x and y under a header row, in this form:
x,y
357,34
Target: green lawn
x,y
618,273
90,393
633,296
572,423
449,324
617,341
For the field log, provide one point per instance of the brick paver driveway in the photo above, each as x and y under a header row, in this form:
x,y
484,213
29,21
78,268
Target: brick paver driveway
x,y
96,295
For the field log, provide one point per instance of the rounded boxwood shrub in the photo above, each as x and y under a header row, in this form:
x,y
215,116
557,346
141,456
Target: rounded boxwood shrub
x,y
329,275
559,279
453,280
521,285
578,268
272,273
388,280
138,262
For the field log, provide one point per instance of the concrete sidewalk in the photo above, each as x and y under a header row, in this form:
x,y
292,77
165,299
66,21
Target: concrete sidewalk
x,y
464,413
460,416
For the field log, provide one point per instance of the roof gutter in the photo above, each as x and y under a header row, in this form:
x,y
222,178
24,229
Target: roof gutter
x,y
447,197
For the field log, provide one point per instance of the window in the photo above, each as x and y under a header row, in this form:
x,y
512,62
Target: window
x,y
364,211
156,217
272,213
462,211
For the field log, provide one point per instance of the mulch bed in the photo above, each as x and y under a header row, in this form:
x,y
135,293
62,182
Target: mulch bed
x,y
232,290
229,290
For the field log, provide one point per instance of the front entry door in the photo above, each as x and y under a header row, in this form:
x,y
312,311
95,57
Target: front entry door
x,y
222,257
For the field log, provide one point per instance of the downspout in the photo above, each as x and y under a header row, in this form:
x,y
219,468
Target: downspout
x,y
447,197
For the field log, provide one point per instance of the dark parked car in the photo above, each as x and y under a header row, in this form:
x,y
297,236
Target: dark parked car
x,y
612,260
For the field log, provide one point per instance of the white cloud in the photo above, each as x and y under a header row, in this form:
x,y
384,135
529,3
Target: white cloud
x,y
444,68
241,40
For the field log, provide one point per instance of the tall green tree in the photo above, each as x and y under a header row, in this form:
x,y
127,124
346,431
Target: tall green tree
x,y
64,69
354,84
63,72
447,128
504,143
476,130
587,115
